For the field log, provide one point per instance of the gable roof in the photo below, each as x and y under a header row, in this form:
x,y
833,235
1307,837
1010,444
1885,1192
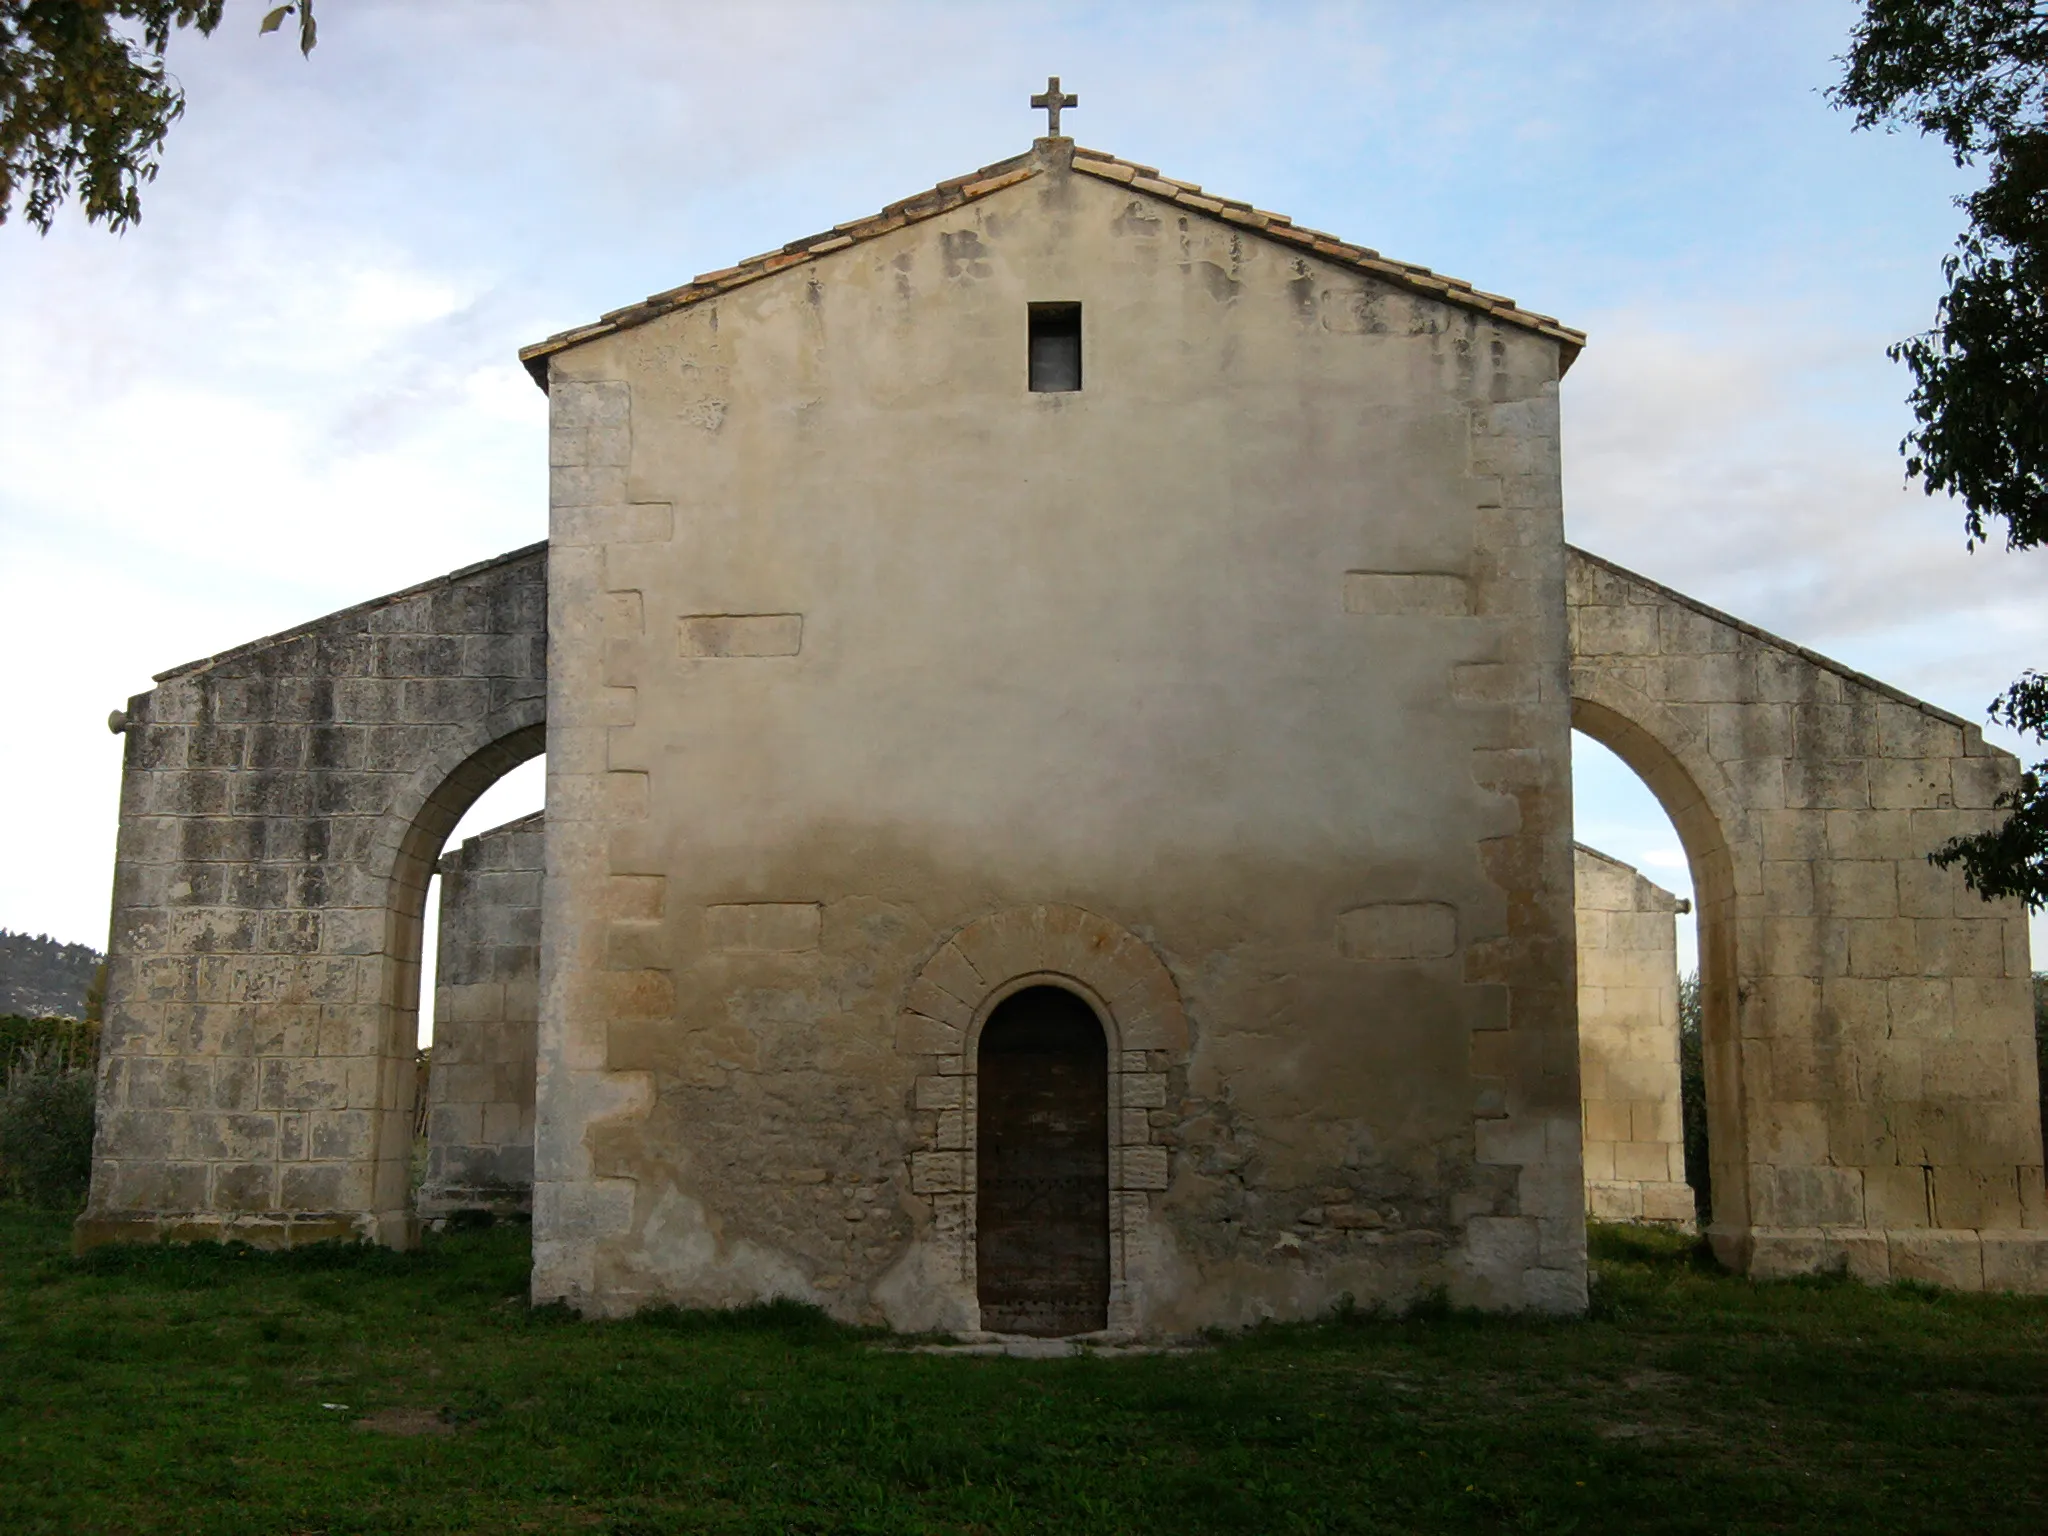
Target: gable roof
x,y
960,190
1277,226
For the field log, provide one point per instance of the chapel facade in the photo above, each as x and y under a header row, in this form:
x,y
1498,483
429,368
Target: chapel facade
x,y
1057,702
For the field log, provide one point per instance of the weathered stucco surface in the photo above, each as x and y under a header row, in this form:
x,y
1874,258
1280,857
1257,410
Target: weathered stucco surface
x,y
486,1025
1246,660
1628,1044
1868,1021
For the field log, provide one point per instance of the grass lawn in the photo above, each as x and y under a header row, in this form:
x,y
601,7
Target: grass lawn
x,y
202,1390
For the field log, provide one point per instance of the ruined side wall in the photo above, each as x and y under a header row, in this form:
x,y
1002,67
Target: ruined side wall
x,y
1868,1024
281,808
1628,1044
486,1020
1235,681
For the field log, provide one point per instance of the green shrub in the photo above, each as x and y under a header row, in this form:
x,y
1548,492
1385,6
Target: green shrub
x,y
73,1040
46,1117
1692,1094
2041,1046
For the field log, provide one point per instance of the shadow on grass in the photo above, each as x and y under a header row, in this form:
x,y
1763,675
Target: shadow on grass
x,y
1652,1247
467,1258
1632,1270
783,1317
201,1390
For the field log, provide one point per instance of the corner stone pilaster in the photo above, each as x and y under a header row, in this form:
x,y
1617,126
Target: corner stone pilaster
x,y
576,1212
1524,1233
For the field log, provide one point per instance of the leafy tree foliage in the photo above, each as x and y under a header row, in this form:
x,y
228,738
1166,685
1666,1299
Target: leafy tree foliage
x,y
1975,74
2041,1046
2012,859
85,101
69,1042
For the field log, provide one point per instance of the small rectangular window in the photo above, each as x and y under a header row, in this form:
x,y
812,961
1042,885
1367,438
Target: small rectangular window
x,y
1055,348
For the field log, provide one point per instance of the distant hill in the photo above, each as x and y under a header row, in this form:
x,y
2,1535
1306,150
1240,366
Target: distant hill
x,y
41,976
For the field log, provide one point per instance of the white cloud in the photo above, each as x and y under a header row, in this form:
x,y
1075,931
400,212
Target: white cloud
x,y
294,385
1753,464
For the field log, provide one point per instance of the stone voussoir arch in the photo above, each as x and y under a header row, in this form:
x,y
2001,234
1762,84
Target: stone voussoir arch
x,y
426,808
1867,1018
1720,845
1134,996
282,805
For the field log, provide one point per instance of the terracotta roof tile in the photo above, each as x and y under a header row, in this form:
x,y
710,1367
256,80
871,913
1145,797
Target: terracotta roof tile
x,y
959,190
947,195
1451,290
990,184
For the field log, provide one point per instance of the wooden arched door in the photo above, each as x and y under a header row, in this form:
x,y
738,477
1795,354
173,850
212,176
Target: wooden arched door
x,y
1042,1166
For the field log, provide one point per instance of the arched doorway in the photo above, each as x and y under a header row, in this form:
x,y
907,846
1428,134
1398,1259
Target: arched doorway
x,y
1042,1166
449,793
474,1104
1712,870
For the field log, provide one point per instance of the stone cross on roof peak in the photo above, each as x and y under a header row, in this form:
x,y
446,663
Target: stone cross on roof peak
x,y
1050,101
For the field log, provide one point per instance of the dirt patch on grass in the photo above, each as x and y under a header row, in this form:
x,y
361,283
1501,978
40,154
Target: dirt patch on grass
x,y
1650,1380
1642,1431
408,1422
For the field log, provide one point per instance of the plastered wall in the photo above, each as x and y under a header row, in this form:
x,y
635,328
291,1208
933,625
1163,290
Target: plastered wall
x,y
880,685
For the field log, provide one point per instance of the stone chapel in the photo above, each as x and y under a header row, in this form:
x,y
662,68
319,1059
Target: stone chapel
x,y
1057,703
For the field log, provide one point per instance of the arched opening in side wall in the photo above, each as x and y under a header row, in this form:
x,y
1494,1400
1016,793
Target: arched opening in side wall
x,y
1042,1166
416,844
1713,1076
474,1097
1641,1073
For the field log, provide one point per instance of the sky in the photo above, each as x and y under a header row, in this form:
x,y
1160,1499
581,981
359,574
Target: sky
x,y
293,385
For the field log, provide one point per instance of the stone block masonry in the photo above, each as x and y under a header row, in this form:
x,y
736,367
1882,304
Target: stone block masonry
x,y
1628,1044
929,686
282,805
1872,1100
1867,1019
486,1022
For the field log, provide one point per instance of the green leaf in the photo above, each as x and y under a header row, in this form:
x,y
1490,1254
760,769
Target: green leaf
x,y
274,20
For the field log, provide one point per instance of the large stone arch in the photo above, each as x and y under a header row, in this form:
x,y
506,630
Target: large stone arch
x,y
282,806
1703,806
1870,1027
